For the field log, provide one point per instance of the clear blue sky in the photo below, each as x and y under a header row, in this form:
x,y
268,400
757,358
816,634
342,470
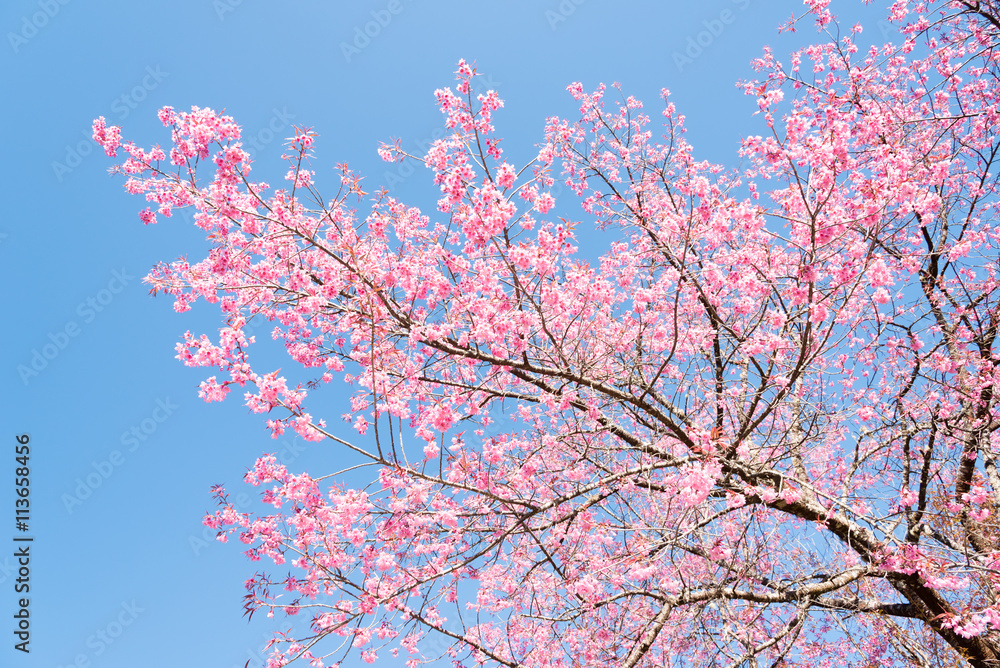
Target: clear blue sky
x,y
120,575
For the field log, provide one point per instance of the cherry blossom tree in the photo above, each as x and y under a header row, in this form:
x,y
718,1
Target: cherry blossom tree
x,y
760,429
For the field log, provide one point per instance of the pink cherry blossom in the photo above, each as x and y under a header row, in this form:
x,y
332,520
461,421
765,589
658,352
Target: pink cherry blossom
x,y
759,426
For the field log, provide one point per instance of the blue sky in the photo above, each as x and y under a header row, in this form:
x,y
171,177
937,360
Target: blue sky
x,y
123,452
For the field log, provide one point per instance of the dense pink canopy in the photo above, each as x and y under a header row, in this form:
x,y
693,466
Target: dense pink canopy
x,y
761,428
